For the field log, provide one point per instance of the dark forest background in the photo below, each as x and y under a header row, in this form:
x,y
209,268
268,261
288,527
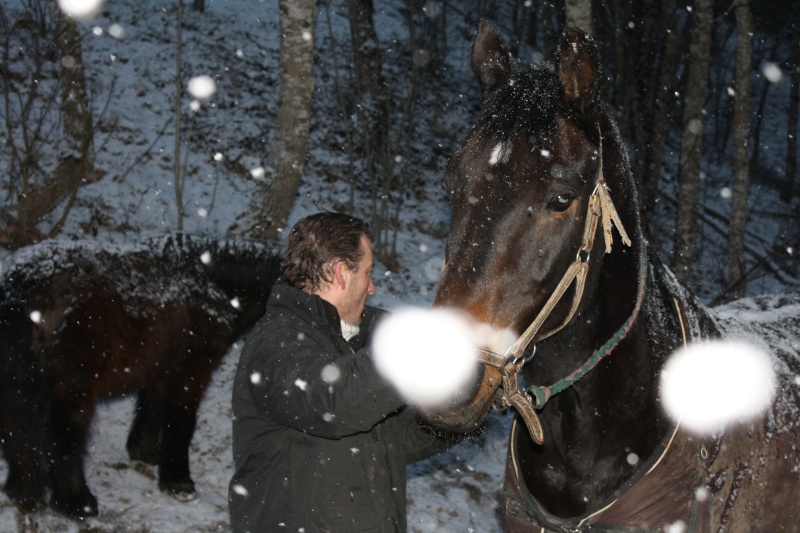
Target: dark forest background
x,y
374,102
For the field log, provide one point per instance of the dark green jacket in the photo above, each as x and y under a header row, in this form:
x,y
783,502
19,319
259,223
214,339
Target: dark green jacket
x,y
314,455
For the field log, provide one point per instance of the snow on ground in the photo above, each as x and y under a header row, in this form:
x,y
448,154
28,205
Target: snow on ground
x,y
451,492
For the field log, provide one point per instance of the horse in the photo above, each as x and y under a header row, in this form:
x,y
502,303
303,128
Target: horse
x,y
546,244
85,321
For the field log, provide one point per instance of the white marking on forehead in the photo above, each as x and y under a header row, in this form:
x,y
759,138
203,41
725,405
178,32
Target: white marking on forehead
x,y
500,153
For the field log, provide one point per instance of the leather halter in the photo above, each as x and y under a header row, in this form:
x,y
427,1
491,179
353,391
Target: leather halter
x,y
600,208
522,504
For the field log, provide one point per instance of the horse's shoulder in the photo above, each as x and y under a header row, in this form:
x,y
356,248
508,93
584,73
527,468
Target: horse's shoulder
x,y
697,321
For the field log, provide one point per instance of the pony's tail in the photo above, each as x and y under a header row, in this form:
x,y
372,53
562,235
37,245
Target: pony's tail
x,y
22,405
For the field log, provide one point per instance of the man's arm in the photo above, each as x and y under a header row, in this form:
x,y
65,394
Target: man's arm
x,y
292,381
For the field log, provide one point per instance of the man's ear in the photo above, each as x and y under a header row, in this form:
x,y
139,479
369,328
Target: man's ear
x,y
341,274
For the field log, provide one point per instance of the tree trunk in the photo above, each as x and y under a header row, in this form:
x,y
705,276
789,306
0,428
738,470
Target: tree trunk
x,y
766,54
692,141
794,96
178,101
533,22
76,166
579,13
551,27
649,172
274,197
373,111
641,43
370,86
75,107
622,89
741,155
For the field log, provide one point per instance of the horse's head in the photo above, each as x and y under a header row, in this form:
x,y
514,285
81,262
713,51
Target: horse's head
x,y
529,197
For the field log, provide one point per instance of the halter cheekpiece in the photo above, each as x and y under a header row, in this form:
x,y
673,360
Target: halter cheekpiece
x,y
600,209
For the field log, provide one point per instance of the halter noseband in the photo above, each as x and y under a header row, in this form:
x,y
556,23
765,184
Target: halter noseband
x,y
600,208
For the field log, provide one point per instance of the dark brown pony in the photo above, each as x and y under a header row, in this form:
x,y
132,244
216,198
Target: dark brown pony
x,y
546,242
81,322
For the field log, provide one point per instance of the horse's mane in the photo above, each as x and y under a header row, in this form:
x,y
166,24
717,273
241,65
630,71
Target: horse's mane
x,y
230,262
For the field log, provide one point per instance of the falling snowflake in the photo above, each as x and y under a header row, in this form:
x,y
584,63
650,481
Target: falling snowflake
x,y
202,87
331,373
79,9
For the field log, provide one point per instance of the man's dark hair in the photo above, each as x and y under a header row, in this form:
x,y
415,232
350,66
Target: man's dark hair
x,y
316,243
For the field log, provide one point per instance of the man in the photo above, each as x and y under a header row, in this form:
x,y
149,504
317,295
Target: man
x,y
320,440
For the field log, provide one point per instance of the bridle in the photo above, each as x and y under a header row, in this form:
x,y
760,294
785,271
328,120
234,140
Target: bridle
x,y
600,209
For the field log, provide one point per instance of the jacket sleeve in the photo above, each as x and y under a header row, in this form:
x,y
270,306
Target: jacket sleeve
x,y
307,385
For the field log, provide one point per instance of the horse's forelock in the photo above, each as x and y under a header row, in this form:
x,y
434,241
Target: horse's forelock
x,y
524,107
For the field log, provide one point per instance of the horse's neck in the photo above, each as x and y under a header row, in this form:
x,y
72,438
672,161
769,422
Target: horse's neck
x,y
600,430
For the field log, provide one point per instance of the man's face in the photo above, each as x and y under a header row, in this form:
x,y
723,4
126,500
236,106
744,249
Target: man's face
x,y
359,286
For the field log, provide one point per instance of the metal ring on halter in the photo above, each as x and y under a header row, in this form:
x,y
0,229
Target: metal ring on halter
x,y
527,359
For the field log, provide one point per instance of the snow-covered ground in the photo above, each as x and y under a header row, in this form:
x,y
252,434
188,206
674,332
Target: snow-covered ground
x,y
451,492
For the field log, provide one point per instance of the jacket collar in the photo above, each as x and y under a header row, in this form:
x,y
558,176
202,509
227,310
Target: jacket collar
x,y
315,310
309,306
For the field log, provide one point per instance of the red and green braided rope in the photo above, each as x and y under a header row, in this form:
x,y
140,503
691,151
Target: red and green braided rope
x,y
542,394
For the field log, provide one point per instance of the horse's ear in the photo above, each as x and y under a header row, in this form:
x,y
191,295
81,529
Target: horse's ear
x,y
579,69
491,58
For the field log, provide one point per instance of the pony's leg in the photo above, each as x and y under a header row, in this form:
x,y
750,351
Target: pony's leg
x,y
22,414
180,403
143,439
27,479
71,413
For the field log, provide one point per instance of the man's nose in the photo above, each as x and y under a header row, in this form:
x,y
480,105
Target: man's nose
x,y
371,289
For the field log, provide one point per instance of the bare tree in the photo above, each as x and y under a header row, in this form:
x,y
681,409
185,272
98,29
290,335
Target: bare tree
x,y
178,101
794,97
741,152
649,163
692,141
274,197
76,110
344,109
77,165
373,110
552,17
37,185
579,13
370,86
620,14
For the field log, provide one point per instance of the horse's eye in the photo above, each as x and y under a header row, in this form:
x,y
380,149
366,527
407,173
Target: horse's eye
x,y
561,202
